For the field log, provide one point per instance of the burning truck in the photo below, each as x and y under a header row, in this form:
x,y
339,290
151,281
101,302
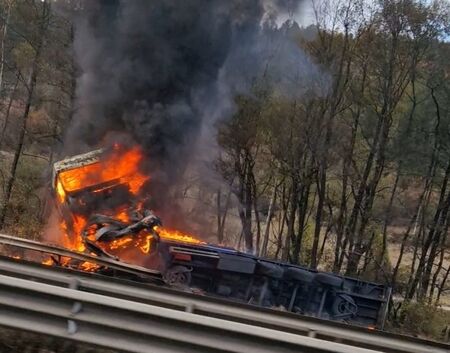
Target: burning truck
x,y
102,211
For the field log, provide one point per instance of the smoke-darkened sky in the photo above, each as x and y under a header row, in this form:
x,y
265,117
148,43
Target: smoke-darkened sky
x,y
160,70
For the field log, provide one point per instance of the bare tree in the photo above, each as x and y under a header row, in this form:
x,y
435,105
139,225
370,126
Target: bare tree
x,y
44,19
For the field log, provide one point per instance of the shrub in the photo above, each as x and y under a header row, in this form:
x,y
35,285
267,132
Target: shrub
x,y
420,319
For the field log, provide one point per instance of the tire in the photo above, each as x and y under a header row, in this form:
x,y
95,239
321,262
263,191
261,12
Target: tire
x,y
223,290
269,269
298,274
179,276
344,306
328,280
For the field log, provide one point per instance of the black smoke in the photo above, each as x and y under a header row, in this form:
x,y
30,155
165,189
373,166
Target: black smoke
x,y
158,70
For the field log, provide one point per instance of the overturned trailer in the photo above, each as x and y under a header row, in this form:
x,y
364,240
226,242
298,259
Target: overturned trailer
x,y
205,268
231,274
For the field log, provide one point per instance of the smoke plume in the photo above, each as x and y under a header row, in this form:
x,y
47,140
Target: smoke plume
x,y
162,71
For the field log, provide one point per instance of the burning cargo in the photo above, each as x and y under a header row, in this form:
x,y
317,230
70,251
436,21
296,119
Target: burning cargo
x,y
101,201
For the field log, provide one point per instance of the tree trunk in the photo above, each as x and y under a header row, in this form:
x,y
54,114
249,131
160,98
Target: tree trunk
x,y
367,190
270,213
433,233
290,236
439,234
398,171
437,272
30,86
340,243
387,215
321,184
282,223
335,100
302,209
426,191
222,215
9,5
418,243
8,112
442,285
350,231
328,230
257,219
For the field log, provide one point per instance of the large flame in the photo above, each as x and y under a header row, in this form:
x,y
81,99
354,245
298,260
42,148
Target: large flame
x,y
117,167
176,235
120,167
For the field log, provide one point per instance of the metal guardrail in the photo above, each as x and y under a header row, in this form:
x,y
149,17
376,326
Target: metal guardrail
x,y
211,308
139,328
32,245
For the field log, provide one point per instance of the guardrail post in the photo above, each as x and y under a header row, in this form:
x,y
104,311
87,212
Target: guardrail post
x,y
74,283
72,326
189,308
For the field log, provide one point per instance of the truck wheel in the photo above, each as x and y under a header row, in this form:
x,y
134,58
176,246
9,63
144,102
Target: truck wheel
x,y
299,274
344,306
328,280
178,276
269,269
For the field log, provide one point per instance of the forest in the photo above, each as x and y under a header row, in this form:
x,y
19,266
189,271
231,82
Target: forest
x,y
345,168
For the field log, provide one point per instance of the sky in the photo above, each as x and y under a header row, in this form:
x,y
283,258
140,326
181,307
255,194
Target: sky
x,y
305,15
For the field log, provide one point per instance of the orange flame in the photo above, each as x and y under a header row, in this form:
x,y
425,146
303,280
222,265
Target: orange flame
x,y
176,235
48,262
119,167
88,266
145,248
116,167
60,191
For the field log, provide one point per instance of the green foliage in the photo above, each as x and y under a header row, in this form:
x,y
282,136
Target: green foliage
x,y
22,55
27,199
423,320
378,268
404,273
36,43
